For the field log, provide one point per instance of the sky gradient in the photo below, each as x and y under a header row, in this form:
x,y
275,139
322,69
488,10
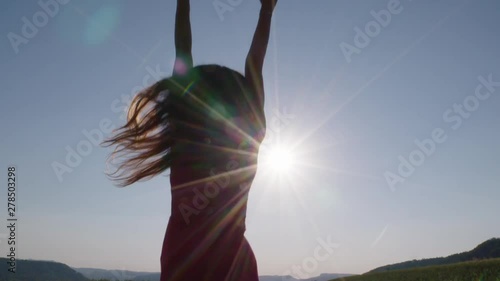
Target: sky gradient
x,y
348,118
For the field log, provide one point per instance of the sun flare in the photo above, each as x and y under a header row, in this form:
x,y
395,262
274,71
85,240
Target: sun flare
x,y
280,159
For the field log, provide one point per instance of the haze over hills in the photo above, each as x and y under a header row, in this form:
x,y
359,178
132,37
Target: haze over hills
x,y
121,275
97,273
38,270
32,270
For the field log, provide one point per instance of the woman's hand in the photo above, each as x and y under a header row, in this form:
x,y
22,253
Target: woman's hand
x,y
268,4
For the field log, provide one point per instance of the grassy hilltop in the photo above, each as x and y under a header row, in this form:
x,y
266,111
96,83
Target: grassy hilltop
x,y
484,270
479,264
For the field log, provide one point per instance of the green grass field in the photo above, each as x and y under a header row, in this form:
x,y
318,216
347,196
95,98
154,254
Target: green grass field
x,y
485,270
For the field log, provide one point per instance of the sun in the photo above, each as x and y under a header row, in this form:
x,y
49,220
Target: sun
x,y
280,159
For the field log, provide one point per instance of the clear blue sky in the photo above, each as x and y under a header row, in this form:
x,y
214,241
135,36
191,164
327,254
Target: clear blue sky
x,y
349,122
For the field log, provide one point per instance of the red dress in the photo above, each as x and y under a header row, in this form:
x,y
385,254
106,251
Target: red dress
x,y
204,240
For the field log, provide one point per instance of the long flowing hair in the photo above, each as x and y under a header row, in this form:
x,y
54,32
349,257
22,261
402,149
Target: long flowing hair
x,y
175,109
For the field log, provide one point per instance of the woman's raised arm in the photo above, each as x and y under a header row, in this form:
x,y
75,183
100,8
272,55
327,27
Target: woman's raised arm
x,y
183,38
256,55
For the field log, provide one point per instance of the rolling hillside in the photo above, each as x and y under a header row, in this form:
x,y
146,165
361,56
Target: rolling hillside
x,y
484,270
489,249
30,270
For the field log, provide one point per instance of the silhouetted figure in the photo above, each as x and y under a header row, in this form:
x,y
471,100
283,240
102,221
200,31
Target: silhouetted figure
x,y
205,124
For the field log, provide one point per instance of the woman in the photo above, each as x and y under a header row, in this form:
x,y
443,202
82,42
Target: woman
x,y
205,124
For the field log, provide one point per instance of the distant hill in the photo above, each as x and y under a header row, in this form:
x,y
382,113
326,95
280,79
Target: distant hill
x,y
93,273
32,270
97,273
489,249
482,270
36,270
148,277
